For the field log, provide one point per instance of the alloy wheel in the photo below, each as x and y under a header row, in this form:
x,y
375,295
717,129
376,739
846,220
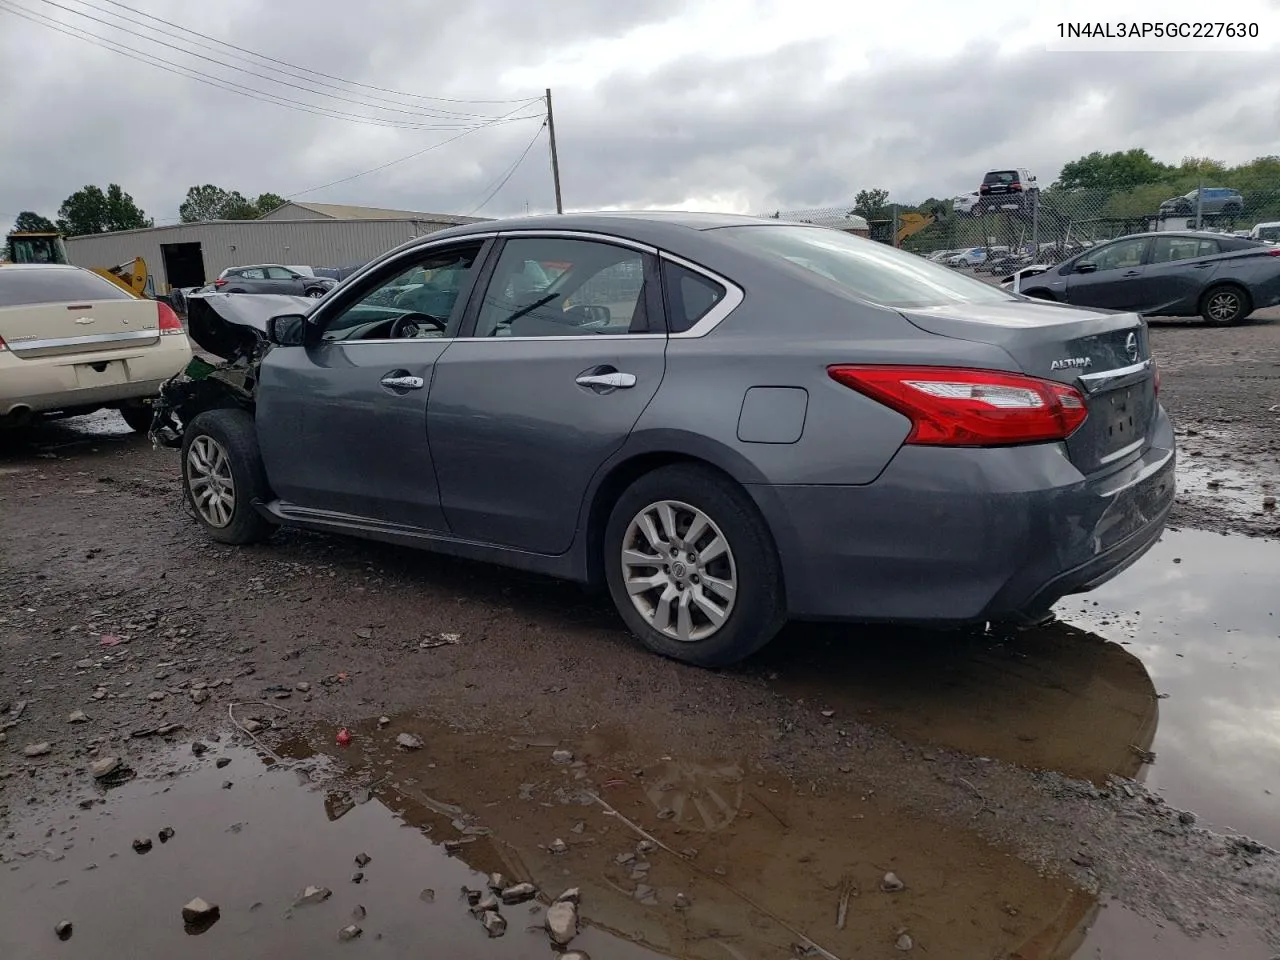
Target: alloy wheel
x,y
679,570
209,478
1223,306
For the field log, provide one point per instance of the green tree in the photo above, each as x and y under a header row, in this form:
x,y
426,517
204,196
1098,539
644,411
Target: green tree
x,y
93,210
210,202
28,221
871,203
1112,172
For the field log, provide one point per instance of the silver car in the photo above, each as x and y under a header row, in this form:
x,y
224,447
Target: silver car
x,y
725,422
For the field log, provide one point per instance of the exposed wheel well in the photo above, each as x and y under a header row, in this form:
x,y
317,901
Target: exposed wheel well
x,y
607,494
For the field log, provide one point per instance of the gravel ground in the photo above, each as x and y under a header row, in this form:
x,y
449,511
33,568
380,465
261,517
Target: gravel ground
x,y
112,603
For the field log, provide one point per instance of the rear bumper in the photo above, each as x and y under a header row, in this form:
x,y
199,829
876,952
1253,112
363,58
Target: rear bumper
x,y
959,536
46,384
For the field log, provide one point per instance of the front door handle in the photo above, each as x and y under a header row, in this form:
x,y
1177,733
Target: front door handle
x,y
1131,274
403,382
615,379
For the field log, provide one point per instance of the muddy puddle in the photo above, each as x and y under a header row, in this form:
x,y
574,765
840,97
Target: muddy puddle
x,y
1213,471
1202,614
674,856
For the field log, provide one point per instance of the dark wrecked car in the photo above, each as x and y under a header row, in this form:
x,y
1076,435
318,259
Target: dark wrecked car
x,y
725,422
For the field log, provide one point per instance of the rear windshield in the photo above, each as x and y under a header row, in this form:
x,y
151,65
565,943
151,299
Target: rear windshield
x,y
19,287
869,270
1000,176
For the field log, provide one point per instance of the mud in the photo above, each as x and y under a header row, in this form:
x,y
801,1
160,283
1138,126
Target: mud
x,y
987,762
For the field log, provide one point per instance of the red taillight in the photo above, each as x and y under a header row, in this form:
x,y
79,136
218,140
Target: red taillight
x,y
1274,252
970,408
1155,379
984,190
169,322
220,283
3,346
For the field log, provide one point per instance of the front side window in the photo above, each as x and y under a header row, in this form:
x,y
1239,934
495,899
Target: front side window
x,y
417,301
868,270
556,287
1126,253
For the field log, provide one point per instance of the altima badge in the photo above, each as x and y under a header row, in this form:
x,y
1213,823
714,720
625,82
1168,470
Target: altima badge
x,y
1071,363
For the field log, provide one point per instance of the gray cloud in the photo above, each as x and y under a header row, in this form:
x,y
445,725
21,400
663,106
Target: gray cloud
x,y
764,128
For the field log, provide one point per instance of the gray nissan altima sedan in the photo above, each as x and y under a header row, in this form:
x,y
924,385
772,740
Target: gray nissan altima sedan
x,y
725,422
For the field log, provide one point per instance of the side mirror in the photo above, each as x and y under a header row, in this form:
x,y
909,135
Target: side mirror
x,y
1086,266
288,330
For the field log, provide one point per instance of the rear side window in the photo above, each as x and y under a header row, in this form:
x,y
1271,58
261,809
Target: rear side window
x,y
20,287
689,296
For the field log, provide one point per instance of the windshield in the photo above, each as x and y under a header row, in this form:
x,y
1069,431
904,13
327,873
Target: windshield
x,y
1269,232
869,270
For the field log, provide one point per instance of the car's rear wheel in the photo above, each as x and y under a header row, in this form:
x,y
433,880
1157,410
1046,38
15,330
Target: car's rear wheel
x,y
316,293
692,568
137,415
1225,305
223,475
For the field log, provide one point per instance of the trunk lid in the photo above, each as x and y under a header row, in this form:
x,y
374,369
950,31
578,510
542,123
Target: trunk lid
x,y
1105,355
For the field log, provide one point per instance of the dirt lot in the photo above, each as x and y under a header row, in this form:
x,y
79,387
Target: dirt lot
x,y
745,813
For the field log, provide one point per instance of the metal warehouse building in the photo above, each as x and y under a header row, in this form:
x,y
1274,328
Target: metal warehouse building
x,y
296,234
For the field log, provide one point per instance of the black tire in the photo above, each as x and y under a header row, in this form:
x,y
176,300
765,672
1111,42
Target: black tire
x,y
231,431
758,610
137,415
316,293
1216,305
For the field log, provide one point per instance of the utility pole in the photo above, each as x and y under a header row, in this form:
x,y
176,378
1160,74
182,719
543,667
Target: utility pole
x,y
555,157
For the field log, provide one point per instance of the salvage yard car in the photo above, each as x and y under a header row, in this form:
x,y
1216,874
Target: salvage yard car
x,y
72,342
725,422
1216,276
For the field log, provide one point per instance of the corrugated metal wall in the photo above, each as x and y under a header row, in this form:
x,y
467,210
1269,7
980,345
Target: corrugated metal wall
x,y
315,243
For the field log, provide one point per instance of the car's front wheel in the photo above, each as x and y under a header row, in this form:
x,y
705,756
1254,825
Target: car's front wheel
x,y
223,475
692,568
1225,305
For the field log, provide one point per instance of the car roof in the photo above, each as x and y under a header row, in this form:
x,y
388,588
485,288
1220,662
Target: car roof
x,y
39,266
638,224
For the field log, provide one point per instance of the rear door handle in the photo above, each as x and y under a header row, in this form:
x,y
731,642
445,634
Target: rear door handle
x,y
404,382
619,380
1131,273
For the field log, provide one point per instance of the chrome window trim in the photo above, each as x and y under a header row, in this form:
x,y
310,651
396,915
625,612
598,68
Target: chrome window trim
x,y
733,298
579,235
23,346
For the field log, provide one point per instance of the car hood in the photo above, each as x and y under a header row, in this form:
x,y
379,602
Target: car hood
x,y
230,325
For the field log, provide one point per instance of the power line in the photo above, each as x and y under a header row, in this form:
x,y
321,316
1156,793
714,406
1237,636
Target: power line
x,y
411,156
221,83
509,173
434,113
316,73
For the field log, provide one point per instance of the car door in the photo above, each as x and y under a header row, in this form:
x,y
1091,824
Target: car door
x,y
1179,269
1109,275
283,280
342,421
563,351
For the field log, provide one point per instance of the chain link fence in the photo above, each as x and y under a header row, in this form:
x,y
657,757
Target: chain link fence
x,y
996,232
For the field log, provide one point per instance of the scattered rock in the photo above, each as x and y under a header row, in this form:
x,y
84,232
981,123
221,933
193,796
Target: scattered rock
x,y
427,896
226,784
409,741
302,686
472,896
646,895
572,895
904,942
199,911
37,749
363,859
166,834
562,756
574,955
78,716
156,696
558,846
494,923
828,714
519,893
578,827
646,846
349,933
623,859
383,721
63,929
364,633
497,882
141,844
199,749
253,726
359,912
1186,818
222,762
486,903
313,895
104,767
683,902
1268,502
199,696
891,883
562,922
357,877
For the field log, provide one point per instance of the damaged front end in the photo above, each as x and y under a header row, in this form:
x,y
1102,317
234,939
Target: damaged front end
x,y
230,329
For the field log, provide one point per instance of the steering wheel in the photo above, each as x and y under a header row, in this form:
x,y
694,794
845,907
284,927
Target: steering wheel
x,y
408,326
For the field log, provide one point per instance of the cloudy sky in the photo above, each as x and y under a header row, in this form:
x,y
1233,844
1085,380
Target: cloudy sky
x,y
745,105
